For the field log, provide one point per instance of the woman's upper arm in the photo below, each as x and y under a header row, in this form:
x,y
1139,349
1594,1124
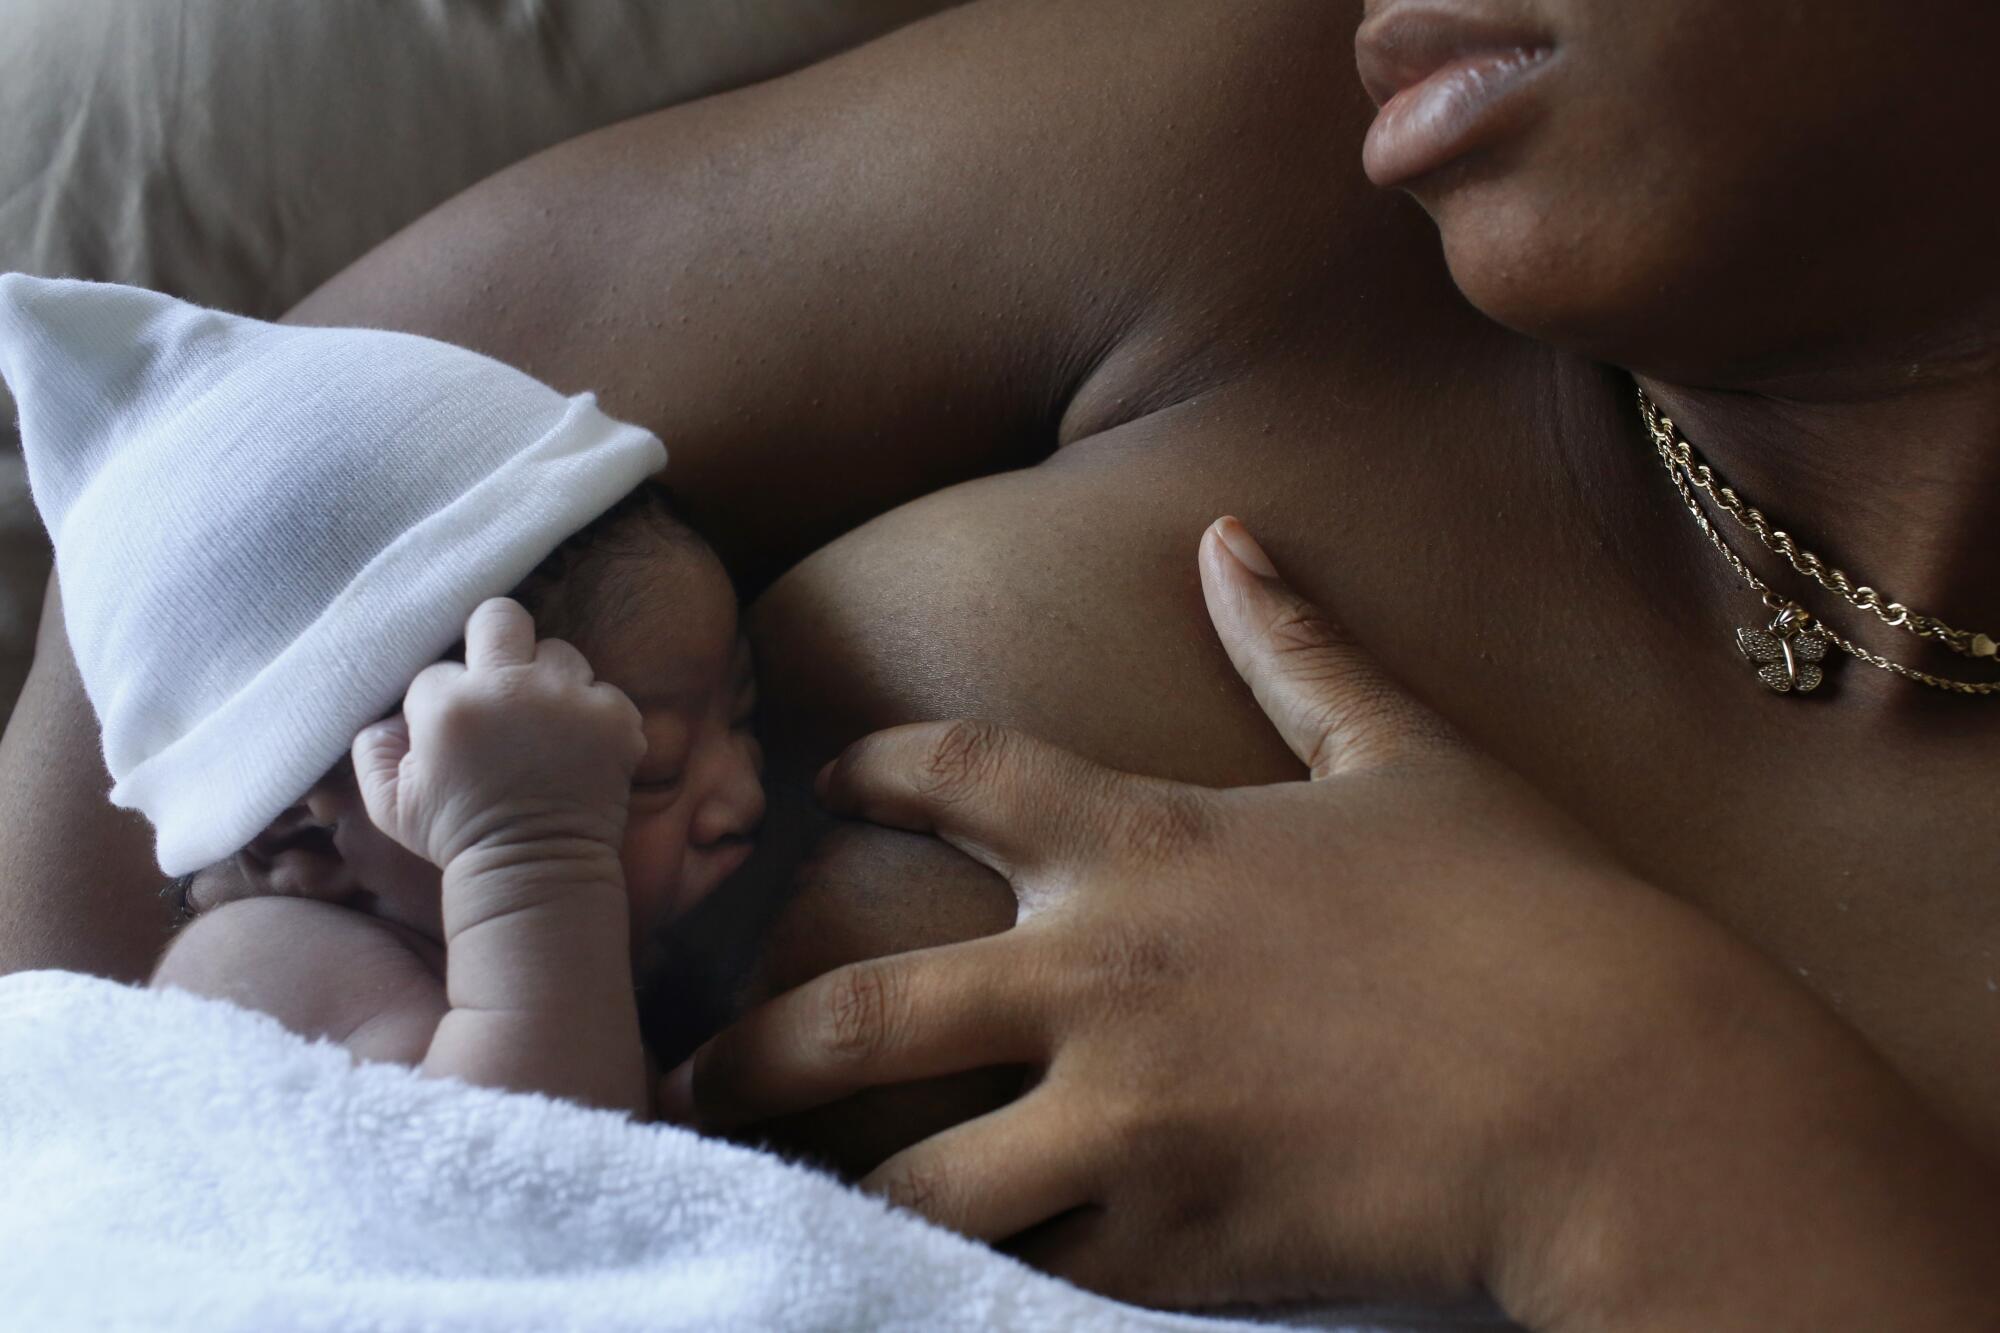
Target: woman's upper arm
x,y
935,257
76,873
895,270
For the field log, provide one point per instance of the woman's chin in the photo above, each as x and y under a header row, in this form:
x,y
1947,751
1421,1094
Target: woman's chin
x,y
1550,282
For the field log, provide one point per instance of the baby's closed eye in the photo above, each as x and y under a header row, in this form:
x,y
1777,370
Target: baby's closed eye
x,y
661,770
669,743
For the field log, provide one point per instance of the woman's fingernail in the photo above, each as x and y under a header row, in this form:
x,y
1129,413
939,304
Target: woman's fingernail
x,y
677,1095
1245,548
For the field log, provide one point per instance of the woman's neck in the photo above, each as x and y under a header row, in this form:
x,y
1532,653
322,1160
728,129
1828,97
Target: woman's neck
x,y
1892,474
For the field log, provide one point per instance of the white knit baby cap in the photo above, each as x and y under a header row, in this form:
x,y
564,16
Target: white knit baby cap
x,y
263,533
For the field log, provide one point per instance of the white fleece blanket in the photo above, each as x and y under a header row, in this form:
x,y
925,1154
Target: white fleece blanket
x,y
168,1162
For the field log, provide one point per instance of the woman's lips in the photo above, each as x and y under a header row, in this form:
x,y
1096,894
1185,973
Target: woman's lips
x,y
1446,86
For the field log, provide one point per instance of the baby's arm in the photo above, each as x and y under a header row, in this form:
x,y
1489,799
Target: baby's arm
x,y
322,971
512,773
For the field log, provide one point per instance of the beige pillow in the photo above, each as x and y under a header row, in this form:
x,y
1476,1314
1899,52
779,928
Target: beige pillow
x,y
240,152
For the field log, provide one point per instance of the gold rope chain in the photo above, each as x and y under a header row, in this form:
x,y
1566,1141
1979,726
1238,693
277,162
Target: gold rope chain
x,y
1689,474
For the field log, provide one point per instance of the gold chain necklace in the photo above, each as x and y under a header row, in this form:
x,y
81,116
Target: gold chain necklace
x,y
1788,653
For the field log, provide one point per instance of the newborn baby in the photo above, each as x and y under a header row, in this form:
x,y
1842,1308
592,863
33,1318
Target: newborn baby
x,y
341,930
268,540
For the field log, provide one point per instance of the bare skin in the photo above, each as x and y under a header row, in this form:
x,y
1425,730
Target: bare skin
x,y
1301,1040
1128,249
337,929
511,773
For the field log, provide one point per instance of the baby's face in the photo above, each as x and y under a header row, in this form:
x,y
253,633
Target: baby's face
x,y
676,651
697,796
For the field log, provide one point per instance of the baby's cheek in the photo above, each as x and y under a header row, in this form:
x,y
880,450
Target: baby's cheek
x,y
655,847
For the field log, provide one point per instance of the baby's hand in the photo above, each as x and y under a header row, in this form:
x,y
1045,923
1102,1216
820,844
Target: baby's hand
x,y
512,773
518,750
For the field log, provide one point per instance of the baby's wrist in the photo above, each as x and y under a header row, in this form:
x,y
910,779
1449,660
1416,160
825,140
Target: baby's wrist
x,y
538,973
579,847
530,831
568,871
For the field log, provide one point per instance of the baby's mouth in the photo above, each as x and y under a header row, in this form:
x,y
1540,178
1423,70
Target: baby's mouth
x,y
716,868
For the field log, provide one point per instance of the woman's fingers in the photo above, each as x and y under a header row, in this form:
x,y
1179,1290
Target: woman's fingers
x,y
1330,700
995,1177
1002,797
891,1020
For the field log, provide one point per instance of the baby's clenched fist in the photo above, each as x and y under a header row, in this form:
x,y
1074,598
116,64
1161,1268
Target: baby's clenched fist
x,y
519,751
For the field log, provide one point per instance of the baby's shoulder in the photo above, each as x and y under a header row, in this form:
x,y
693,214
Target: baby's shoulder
x,y
323,971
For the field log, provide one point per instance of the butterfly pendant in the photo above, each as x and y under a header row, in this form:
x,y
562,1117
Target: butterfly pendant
x,y
1787,655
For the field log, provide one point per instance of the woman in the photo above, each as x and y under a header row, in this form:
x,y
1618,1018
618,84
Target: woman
x,y
1604,978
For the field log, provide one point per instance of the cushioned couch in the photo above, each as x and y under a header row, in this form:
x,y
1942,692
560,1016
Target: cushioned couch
x,y
240,154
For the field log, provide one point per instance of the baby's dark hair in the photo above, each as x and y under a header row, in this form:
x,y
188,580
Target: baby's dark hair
x,y
594,578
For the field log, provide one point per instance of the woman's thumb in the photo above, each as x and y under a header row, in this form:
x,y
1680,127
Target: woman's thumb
x,y
1326,695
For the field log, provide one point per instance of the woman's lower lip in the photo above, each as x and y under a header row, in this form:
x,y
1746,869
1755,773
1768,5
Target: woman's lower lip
x,y
1459,107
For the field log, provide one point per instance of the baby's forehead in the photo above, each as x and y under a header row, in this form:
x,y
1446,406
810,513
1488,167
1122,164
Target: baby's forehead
x,y
671,642
678,679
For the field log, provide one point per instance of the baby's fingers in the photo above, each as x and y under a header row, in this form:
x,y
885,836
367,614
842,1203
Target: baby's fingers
x,y
500,633
626,722
429,697
562,661
378,754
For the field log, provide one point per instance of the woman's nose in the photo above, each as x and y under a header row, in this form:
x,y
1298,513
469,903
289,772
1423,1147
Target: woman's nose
x,y
734,805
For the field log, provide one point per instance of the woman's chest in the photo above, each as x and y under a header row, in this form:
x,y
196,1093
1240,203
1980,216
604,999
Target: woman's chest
x,y
1064,600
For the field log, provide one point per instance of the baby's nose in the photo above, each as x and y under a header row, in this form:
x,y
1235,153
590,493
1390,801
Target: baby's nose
x,y
295,857
299,822
733,809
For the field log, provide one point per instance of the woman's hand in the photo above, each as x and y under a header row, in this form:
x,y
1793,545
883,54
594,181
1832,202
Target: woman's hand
x,y
1400,1029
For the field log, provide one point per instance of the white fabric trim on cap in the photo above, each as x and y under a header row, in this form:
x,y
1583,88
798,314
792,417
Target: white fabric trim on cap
x,y
218,786
264,532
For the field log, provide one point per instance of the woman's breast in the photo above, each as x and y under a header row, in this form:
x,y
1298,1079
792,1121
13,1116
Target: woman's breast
x,y
1063,600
